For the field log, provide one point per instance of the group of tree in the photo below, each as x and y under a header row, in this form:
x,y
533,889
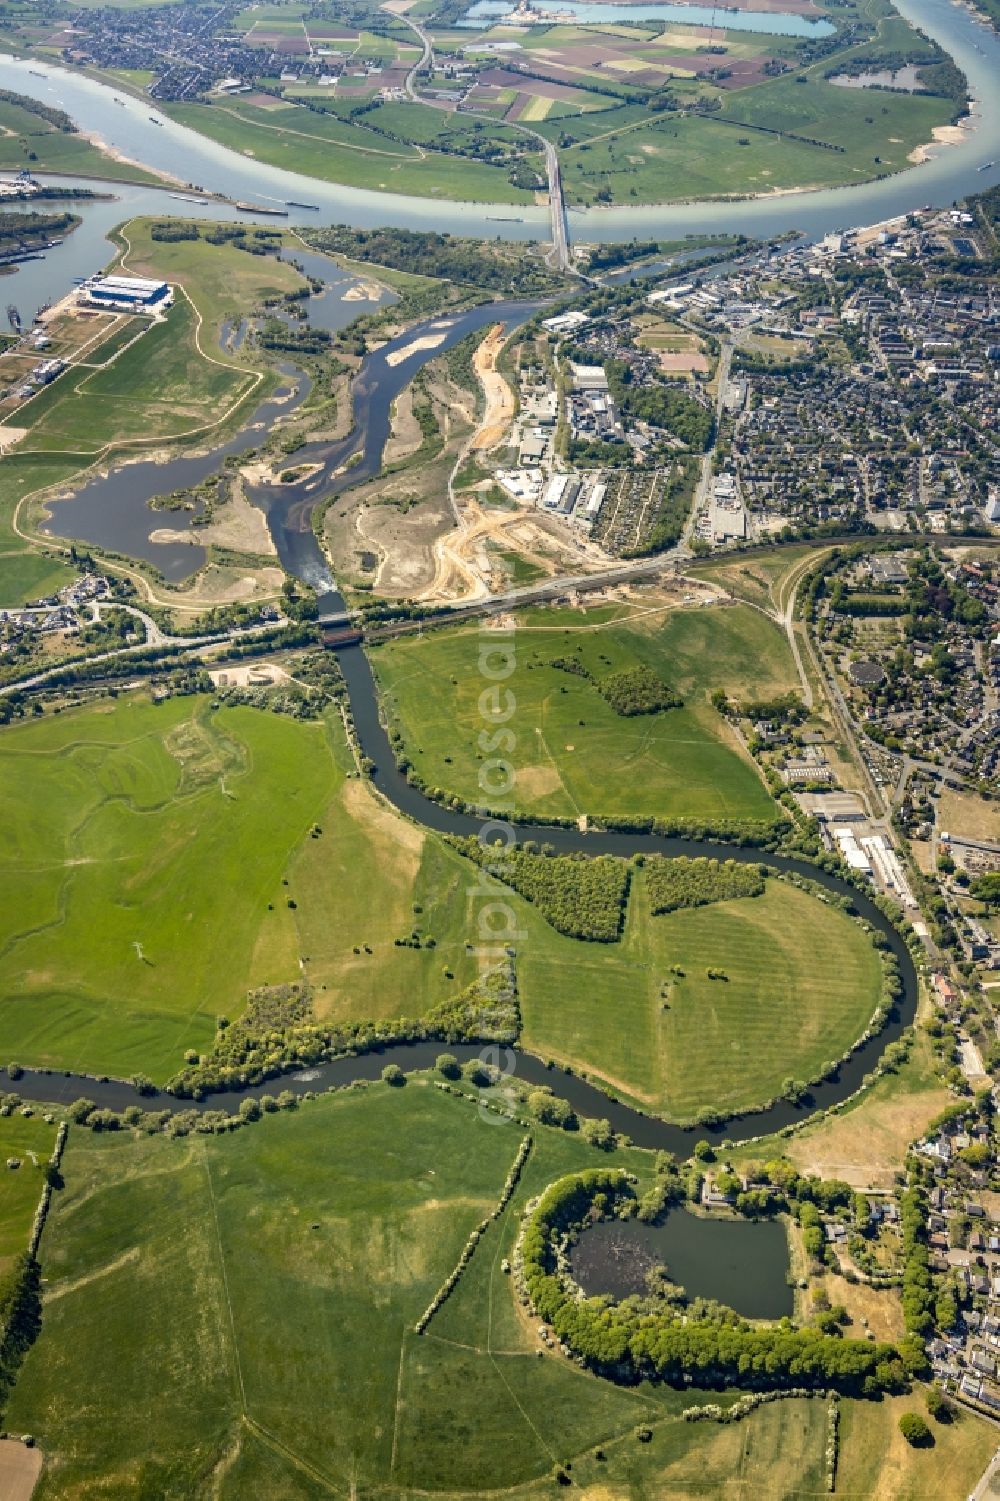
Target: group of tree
x,y
471,263
661,405
630,691
639,1340
671,884
279,1031
578,896
637,690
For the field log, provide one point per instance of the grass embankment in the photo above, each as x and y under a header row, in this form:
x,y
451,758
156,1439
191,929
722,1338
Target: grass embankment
x,y
574,755
161,387
29,140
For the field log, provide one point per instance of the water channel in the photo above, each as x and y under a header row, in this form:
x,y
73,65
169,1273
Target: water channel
x,y
593,12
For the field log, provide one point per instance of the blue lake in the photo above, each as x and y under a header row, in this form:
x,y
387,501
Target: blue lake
x,y
591,12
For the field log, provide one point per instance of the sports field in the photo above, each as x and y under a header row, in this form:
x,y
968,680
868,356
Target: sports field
x,y
677,1043
573,754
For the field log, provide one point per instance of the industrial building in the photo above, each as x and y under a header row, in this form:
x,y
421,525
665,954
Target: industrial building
x,y
126,293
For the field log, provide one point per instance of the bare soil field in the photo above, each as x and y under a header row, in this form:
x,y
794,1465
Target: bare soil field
x,y
499,397
237,525
965,813
20,1468
405,436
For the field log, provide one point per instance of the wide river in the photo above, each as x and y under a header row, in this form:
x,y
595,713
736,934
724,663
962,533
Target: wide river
x,y
128,127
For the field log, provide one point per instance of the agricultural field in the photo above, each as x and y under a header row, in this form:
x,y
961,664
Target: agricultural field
x,y
679,1042
111,962
678,764
268,1261
648,113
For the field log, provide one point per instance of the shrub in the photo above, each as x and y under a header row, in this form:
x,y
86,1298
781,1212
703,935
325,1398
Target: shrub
x,y
393,1074
915,1430
447,1064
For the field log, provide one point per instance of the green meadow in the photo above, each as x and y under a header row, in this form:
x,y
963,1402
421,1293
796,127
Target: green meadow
x,y
327,148
160,387
27,1142
573,754
676,1043
158,861
140,847
28,140
172,381
259,1291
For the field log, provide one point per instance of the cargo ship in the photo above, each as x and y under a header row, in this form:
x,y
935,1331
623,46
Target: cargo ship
x,y
293,203
260,208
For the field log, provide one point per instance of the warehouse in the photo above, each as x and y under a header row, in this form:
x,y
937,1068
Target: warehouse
x,y
126,292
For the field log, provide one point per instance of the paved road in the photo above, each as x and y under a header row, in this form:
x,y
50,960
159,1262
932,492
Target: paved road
x,y
195,644
560,255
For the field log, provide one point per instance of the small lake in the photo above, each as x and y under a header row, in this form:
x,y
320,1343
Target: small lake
x,y
742,1263
593,12
344,297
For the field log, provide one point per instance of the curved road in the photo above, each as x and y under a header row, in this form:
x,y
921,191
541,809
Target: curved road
x,y
560,256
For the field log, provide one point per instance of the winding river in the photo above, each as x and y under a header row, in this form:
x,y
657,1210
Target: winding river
x,y
357,457
586,1098
289,507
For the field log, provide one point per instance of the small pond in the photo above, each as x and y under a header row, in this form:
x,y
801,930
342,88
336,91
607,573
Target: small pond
x,y
742,1263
